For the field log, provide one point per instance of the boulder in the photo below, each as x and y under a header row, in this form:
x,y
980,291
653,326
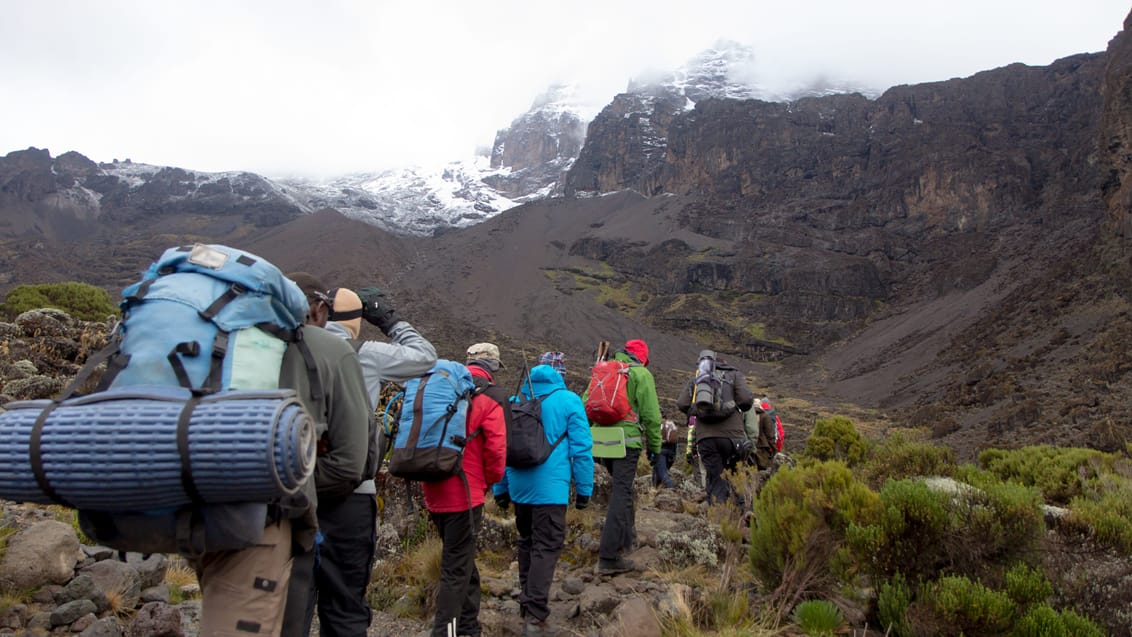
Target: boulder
x,y
43,553
634,616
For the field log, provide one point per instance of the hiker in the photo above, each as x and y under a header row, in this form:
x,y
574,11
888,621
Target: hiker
x,y
762,432
542,493
557,360
248,590
719,421
335,577
667,456
642,431
692,456
455,504
349,522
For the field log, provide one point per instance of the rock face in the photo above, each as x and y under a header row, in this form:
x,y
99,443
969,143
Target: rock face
x,y
533,154
60,198
1116,132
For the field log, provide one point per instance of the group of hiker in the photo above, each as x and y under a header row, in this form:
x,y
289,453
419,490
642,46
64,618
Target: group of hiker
x,y
335,585
535,450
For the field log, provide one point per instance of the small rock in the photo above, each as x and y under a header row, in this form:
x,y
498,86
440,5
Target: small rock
x,y
69,612
105,627
155,594
156,619
573,586
84,622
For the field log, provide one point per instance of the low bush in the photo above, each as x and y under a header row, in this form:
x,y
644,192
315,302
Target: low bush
x,y
893,600
1043,621
800,521
1027,586
836,438
80,300
965,606
898,457
1060,473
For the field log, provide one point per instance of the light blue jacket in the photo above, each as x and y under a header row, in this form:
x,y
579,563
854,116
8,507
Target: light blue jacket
x,y
562,411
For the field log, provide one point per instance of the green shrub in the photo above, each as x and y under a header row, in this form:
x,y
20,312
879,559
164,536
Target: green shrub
x,y
1043,621
1079,626
1107,517
800,520
818,617
911,535
897,457
968,607
893,600
1027,586
836,439
922,531
80,300
1060,473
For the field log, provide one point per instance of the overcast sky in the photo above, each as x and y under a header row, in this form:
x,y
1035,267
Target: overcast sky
x,y
322,87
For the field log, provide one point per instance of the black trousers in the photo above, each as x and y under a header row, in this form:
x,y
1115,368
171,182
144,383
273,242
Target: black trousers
x,y
335,577
621,518
542,534
458,597
718,455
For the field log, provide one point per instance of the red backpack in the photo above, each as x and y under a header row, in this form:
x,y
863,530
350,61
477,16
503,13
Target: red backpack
x,y
607,397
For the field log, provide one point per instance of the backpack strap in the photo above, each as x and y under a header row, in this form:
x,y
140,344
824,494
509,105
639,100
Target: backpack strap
x,y
312,367
183,419
35,453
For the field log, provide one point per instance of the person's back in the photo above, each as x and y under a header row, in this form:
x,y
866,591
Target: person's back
x,y
347,509
642,433
718,431
541,493
230,606
455,504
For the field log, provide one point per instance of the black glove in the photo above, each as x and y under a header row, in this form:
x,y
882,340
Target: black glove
x,y
652,456
581,502
502,500
377,310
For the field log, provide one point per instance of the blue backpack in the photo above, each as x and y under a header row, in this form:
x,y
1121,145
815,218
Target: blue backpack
x,y
187,439
431,434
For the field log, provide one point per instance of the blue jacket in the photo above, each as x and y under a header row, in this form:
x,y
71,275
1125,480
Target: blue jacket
x,y
562,411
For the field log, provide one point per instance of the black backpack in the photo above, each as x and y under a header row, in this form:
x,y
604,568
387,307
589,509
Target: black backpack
x,y
527,445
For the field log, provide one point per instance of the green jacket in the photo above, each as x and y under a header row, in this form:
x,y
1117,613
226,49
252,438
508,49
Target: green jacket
x,y
342,418
644,403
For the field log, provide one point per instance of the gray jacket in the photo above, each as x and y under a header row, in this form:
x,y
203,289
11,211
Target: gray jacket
x,y
408,355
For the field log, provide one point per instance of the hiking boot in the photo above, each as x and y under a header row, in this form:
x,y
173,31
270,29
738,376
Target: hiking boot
x,y
536,628
614,567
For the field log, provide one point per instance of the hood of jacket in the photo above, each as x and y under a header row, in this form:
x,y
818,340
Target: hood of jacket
x,y
543,380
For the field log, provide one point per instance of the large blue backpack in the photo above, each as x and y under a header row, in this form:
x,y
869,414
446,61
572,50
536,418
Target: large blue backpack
x,y
187,441
432,428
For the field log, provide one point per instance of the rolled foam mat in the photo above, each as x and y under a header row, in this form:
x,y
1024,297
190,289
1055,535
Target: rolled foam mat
x,y
118,450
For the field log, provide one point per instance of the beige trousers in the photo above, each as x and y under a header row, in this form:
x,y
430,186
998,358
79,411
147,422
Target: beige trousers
x,y
244,592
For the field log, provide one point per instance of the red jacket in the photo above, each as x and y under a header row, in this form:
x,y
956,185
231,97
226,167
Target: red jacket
x,y
485,457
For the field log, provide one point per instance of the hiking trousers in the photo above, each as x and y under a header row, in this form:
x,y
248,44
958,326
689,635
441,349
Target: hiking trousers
x,y
244,592
542,534
338,573
718,455
458,597
620,529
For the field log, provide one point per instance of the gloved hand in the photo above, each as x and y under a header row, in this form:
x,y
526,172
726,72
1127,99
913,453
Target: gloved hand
x,y
503,500
652,456
377,310
581,502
